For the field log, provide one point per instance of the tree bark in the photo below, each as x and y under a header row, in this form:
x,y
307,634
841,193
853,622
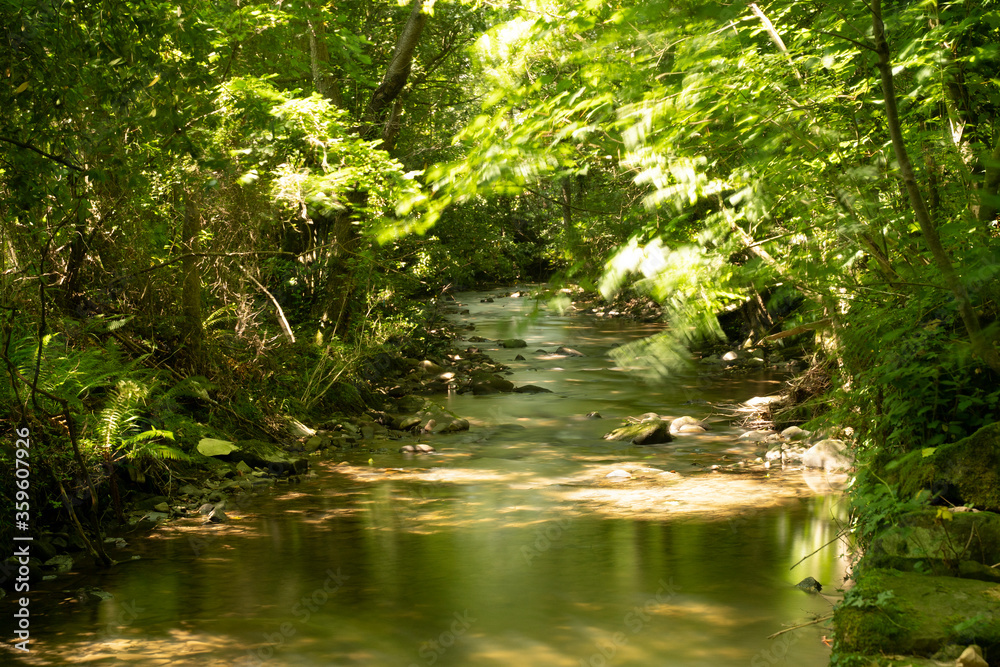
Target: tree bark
x,y
377,119
981,345
990,192
319,61
380,121
567,213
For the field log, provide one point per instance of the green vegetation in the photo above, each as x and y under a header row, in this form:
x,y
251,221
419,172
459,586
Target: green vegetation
x,y
215,215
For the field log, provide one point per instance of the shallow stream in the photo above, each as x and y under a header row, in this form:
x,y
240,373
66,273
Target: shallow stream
x,y
510,546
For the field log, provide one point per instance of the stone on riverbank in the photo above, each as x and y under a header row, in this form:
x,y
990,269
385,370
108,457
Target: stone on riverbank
x,y
966,471
893,612
267,455
828,455
965,545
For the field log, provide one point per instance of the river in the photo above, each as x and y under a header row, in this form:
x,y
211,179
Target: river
x,y
510,546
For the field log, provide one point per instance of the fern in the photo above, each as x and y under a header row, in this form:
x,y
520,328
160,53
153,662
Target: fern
x,y
118,419
147,444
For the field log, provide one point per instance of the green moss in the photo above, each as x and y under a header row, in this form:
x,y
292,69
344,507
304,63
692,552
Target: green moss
x,y
868,620
966,471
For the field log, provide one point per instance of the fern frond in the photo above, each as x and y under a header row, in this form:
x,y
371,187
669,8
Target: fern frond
x,y
160,452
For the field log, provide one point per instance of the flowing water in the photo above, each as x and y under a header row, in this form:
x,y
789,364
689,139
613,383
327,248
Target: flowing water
x,y
508,547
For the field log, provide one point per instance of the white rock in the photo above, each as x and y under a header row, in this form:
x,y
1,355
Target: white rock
x,y
683,424
795,433
756,436
828,454
622,474
972,656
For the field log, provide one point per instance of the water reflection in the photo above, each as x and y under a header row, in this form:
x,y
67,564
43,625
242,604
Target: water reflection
x,y
506,549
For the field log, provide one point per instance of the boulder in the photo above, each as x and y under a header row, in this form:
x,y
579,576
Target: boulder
x,y
795,433
512,343
962,472
488,383
810,585
687,424
972,656
828,455
893,612
532,389
570,352
955,545
757,435
62,563
430,367
419,448
646,432
269,456
215,447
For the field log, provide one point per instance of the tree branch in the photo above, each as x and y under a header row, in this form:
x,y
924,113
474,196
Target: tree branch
x,y
981,345
54,158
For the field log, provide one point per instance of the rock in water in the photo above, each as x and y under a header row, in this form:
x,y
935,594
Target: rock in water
x,y
687,424
532,389
646,432
809,584
417,449
570,352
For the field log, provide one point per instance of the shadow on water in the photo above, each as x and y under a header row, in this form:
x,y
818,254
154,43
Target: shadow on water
x,y
508,548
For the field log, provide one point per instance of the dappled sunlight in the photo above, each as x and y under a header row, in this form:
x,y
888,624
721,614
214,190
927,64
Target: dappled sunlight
x,y
180,647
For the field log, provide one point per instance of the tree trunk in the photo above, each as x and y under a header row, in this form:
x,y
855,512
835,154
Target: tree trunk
x,y
191,331
981,345
567,212
380,121
377,120
990,192
319,60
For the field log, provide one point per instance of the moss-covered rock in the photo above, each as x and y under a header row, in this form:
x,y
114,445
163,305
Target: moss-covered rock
x,y
962,544
646,432
269,456
893,612
966,471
